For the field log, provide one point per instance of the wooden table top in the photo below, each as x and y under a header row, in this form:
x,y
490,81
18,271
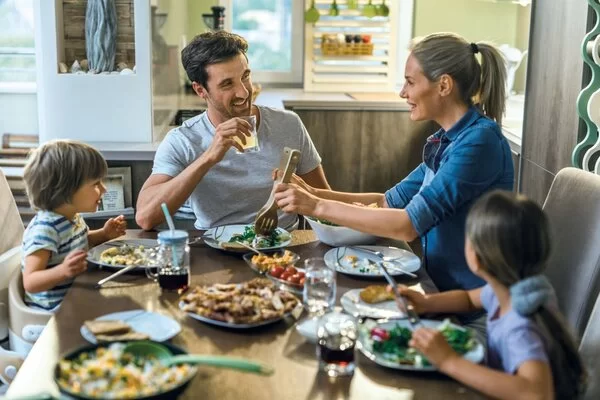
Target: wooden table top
x,y
296,373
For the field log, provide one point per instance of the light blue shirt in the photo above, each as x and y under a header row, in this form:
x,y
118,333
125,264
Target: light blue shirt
x,y
476,160
55,233
235,189
512,338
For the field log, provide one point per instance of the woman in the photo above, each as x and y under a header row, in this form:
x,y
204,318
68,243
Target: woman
x,y
467,157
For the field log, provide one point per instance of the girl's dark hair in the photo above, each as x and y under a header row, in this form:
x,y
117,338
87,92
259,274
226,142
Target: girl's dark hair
x,y
210,48
510,235
449,53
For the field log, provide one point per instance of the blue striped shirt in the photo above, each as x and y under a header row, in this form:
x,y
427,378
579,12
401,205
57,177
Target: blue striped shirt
x,y
55,233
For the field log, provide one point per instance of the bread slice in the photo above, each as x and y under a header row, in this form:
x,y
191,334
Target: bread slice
x,y
375,294
107,327
122,337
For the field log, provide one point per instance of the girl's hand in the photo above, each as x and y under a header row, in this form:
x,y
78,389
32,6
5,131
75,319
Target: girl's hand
x,y
432,344
292,199
74,264
115,227
418,300
296,180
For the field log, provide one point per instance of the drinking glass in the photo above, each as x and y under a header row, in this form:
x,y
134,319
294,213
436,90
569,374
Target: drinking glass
x,y
336,337
319,287
252,140
172,261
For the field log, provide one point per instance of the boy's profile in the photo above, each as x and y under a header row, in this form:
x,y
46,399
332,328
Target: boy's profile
x,y
63,178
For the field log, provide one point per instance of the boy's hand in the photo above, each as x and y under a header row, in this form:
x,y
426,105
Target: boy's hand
x,y
74,264
433,345
115,227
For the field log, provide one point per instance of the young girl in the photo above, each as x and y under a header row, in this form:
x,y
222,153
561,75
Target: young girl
x,y
63,178
531,353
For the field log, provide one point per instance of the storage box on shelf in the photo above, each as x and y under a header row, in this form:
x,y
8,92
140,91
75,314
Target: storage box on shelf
x,y
347,49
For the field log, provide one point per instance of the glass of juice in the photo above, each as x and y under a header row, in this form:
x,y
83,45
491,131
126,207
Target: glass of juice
x,y
252,140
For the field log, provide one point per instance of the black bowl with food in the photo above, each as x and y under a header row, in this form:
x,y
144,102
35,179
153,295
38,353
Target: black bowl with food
x,y
104,371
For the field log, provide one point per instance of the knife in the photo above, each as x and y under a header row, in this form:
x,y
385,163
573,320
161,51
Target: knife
x,y
413,317
381,257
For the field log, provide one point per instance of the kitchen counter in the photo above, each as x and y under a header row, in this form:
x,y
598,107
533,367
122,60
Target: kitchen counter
x,y
166,107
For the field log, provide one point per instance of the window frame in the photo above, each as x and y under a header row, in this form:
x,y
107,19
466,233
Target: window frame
x,y
295,75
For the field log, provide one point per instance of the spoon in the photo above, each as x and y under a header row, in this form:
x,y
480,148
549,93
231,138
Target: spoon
x,y
252,248
164,355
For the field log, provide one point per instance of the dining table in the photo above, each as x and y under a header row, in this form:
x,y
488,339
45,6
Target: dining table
x,y
296,373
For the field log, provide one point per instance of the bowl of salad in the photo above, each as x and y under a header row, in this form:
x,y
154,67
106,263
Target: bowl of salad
x,y
337,235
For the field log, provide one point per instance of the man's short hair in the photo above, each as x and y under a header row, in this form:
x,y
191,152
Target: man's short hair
x,y
57,169
210,48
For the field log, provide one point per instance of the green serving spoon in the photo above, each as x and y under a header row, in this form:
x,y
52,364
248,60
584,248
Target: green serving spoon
x,y
164,355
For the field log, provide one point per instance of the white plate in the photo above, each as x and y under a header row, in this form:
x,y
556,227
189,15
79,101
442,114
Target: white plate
x,y
308,329
353,305
337,258
94,253
228,324
365,345
157,326
218,238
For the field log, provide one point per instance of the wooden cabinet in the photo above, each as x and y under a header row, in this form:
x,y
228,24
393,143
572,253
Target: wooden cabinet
x,y
366,151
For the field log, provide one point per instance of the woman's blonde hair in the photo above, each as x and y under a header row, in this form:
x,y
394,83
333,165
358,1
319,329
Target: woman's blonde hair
x,y
449,53
510,235
57,169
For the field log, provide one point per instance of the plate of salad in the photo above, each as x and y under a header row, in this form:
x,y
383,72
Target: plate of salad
x,y
386,343
228,237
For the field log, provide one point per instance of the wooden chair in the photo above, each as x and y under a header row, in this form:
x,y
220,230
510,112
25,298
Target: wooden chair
x,y
573,209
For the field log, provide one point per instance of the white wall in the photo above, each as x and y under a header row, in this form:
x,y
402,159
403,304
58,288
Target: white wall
x,y
18,113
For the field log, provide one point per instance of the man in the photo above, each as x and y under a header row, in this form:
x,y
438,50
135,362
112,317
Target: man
x,y
198,160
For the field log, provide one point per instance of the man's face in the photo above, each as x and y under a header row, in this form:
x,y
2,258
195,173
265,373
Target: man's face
x,y
229,88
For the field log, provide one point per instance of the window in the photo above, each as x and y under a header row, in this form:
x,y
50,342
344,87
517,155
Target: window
x,y
17,49
273,29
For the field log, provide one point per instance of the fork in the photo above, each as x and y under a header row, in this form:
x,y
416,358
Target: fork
x,y
266,219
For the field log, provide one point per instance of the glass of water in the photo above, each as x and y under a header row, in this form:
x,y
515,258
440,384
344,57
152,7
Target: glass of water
x,y
336,337
319,287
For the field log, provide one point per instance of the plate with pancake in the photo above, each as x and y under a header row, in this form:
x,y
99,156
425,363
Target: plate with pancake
x,y
374,301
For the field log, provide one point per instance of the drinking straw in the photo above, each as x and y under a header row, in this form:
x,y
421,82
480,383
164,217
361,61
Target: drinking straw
x,y
172,229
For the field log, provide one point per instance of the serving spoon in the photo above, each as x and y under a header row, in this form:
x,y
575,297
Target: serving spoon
x,y
164,355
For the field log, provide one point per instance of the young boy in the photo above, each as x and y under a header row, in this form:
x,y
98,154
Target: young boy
x,y
63,178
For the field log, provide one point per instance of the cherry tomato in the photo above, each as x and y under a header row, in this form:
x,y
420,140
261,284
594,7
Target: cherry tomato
x,y
284,276
302,274
294,279
379,334
301,283
291,270
276,271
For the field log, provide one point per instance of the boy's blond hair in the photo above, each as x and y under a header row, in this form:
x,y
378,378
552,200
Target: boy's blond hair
x,y
57,169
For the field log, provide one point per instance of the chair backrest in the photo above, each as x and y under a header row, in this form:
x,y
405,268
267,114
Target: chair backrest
x,y
590,353
9,262
11,233
573,209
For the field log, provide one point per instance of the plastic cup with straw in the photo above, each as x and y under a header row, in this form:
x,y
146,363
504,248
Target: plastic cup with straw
x,y
172,229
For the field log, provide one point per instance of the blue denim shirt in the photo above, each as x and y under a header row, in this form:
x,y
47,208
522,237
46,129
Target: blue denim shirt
x,y
476,159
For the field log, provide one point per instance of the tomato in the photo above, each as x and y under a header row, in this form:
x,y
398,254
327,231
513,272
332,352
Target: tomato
x,y
276,271
284,276
302,274
294,279
291,270
379,334
302,280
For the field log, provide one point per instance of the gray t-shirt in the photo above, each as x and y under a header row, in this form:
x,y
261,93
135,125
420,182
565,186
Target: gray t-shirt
x,y
512,338
237,187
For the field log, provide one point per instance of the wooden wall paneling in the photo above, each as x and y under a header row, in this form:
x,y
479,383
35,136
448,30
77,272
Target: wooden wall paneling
x,y
338,141
391,148
535,181
553,82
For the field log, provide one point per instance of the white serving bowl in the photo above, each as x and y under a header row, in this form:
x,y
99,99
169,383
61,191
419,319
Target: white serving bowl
x,y
335,235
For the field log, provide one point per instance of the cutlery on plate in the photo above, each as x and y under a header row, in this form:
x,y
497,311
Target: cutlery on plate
x,y
111,277
384,258
266,219
251,248
413,317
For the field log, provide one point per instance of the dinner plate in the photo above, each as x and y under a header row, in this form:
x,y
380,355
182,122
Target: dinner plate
x,y
228,324
340,258
219,237
353,305
94,253
365,345
157,326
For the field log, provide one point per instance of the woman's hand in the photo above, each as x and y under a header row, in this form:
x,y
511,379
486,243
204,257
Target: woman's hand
x,y
432,344
115,227
292,199
296,180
